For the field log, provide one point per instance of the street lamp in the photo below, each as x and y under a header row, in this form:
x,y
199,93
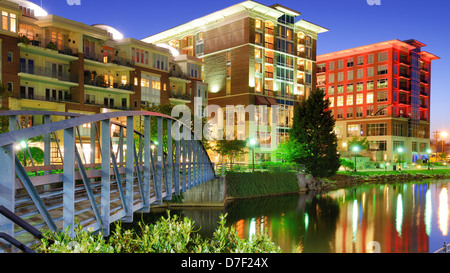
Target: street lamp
x,y
355,150
444,134
429,159
252,143
400,151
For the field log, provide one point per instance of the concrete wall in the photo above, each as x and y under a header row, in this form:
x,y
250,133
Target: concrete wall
x,y
211,193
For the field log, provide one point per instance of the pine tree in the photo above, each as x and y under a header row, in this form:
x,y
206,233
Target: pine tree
x,y
313,131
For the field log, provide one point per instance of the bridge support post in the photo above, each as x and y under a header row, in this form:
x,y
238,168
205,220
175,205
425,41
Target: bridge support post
x,y
7,189
159,161
147,162
129,169
176,168
183,161
169,162
106,174
69,180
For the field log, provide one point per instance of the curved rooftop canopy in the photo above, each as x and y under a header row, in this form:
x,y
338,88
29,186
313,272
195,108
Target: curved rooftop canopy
x,y
116,35
38,11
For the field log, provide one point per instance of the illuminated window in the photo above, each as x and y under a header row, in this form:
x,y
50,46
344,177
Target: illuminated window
x,y
331,99
4,20
369,97
359,99
258,23
258,53
12,22
349,99
340,101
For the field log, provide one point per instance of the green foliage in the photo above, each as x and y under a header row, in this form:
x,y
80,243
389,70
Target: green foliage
x,y
356,141
36,152
168,235
230,148
347,164
313,132
252,184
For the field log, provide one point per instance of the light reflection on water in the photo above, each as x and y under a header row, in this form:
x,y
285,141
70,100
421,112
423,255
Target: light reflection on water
x,y
409,217
404,217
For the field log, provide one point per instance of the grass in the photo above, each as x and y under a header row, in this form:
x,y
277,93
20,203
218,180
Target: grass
x,y
382,172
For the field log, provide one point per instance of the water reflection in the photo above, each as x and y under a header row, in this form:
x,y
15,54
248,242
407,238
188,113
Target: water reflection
x,y
409,217
397,217
443,211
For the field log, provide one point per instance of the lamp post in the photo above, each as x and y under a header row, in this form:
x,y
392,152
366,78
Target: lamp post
x,y
443,134
429,159
252,143
400,151
355,150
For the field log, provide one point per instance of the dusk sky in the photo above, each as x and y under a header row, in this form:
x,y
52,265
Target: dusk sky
x,y
351,23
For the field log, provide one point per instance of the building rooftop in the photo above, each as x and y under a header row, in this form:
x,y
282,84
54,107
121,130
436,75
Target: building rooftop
x,y
274,11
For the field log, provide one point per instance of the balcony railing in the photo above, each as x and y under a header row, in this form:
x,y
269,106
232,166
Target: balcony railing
x,y
66,98
404,87
269,45
321,70
269,30
100,82
180,95
423,79
101,58
404,61
48,44
268,74
47,72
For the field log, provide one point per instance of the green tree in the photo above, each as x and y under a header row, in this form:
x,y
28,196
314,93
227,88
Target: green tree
x,y
230,148
356,141
312,129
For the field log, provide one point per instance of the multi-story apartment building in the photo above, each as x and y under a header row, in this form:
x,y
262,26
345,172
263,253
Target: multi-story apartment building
x,y
253,54
380,91
56,64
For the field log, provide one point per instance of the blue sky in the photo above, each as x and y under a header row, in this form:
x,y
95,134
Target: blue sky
x,y
352,23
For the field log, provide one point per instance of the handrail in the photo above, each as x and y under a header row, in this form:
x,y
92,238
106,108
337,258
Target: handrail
x,y
26,133
20,222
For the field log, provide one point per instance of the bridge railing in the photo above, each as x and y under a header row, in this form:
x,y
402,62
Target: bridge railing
x,y
96,186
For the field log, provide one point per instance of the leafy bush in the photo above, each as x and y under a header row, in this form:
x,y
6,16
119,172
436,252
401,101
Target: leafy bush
x,y
347,164
168,235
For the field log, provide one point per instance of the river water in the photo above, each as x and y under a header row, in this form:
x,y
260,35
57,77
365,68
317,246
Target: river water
x,y
403,218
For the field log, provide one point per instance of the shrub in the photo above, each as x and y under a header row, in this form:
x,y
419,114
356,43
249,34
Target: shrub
x,y
347,164
168,235
260,183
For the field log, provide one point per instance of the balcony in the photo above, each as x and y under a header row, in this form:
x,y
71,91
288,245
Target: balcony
x,y
269,31
321,70
101,58
180,96
64,98
404,75
99,81
52,75
404,61
269,60
46,46
423,80
268,74
179,74
404,87
269,45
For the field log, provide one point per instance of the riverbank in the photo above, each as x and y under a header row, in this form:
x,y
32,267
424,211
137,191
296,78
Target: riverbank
x,y
347,179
